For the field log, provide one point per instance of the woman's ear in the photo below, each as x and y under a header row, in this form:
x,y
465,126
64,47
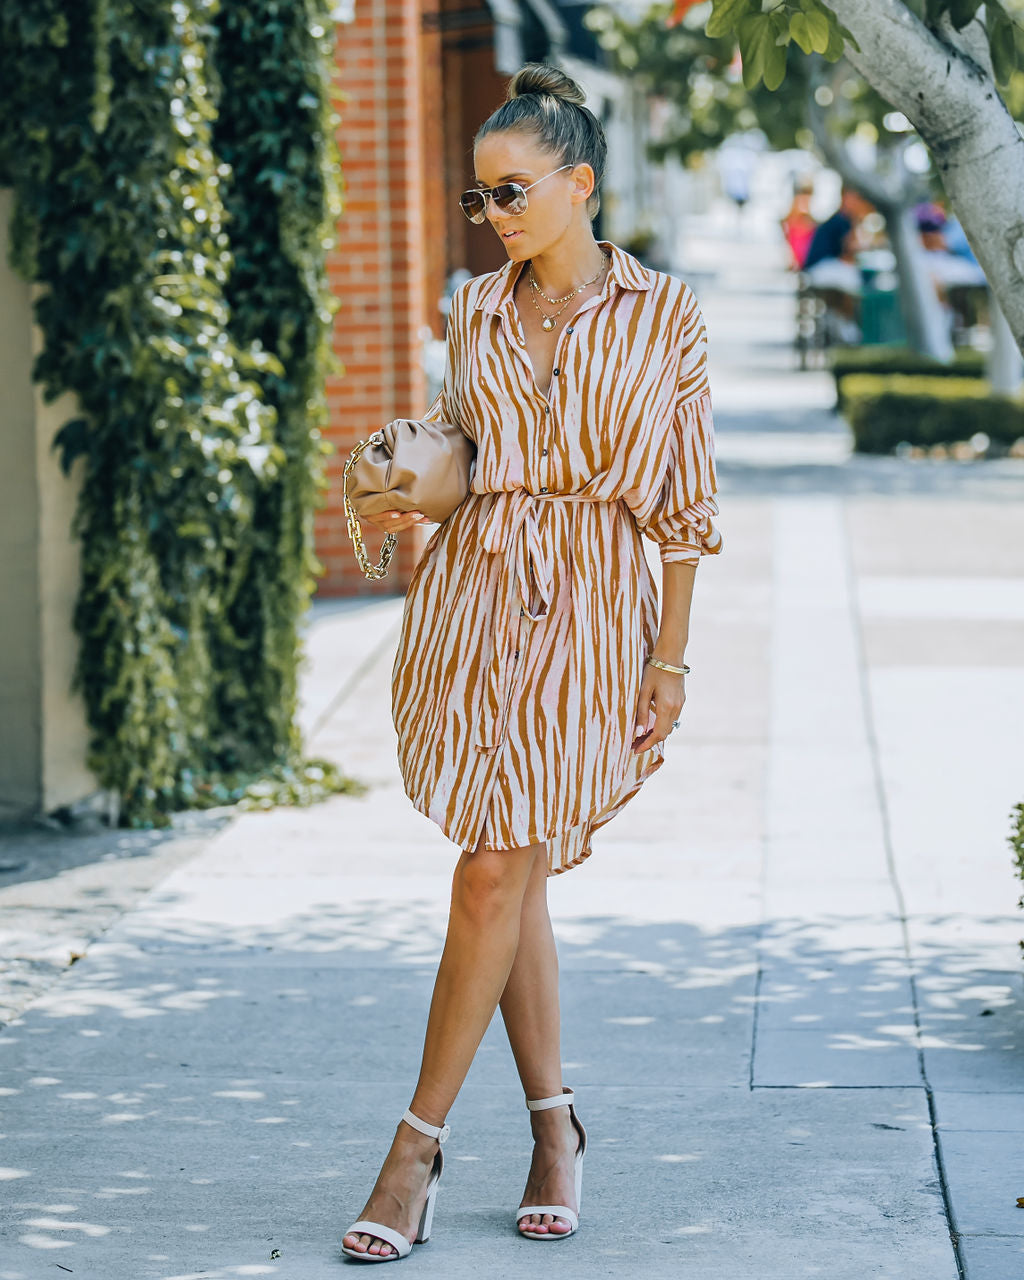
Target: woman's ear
x,y
582,183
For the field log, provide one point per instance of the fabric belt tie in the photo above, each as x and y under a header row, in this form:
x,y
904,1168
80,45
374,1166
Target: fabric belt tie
x,y
510,530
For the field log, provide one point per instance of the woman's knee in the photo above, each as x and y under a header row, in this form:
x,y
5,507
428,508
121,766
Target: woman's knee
x,y
491,881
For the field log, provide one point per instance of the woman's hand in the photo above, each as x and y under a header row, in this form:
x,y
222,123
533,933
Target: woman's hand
x,y
662,695
395,521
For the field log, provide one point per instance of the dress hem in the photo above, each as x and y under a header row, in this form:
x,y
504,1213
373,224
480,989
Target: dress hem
x,y
593,822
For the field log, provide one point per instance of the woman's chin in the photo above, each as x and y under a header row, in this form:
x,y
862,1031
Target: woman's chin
x,y
514,247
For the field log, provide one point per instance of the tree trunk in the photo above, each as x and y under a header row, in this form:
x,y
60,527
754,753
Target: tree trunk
x,y
943,84
928,330
894,194
1004,366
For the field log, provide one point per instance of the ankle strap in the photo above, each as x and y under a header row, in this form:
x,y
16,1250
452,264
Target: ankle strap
x,y
428,1130
563,1099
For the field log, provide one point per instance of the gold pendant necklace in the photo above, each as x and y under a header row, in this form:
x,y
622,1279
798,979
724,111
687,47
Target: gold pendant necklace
x,y
549,320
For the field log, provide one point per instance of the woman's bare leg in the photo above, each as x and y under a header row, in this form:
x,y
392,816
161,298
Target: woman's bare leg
x,y
483,935
530,1008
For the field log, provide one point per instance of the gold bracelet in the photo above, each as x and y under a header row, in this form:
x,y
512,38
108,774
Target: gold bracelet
x,y
684,670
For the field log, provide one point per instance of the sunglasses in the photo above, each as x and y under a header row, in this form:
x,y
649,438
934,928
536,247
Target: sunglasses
x,y
510,197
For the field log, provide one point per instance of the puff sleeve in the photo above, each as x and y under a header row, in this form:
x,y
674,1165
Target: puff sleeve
x,y
680,515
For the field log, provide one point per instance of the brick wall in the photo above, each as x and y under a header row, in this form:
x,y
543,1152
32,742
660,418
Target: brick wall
x,y
472,88
388,267
418,78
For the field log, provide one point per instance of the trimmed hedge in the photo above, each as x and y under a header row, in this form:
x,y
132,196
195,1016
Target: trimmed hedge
x,y
846,361
887,411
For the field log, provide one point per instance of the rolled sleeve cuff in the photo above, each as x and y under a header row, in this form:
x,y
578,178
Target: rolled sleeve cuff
x,y
675,551
679,553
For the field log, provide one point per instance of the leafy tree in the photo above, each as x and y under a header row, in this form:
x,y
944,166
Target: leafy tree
x,y
817,105
946,65
699,75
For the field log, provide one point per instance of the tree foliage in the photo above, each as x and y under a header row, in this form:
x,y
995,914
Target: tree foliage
x,y
200,390
766,28
700,76
669,52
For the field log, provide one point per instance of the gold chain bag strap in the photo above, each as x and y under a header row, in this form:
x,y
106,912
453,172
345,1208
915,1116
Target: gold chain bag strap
x,y
409,465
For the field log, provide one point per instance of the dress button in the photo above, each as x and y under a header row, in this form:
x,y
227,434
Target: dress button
x,y
555,372
547,408
544,489
570,329
543,453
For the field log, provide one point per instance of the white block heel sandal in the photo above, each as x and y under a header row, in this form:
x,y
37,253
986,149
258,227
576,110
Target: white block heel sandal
x,y
388,1234
564,1099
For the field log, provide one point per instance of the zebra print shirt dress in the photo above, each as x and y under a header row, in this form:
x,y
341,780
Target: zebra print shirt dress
x,y
532,611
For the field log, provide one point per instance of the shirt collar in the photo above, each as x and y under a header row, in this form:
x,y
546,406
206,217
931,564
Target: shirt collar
x,y
624,270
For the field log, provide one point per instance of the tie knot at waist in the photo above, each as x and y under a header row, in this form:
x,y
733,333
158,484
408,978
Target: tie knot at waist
x,y
510,509
509,529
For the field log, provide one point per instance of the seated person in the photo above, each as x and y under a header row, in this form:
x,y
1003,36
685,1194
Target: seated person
x,y
831,263
831,258
945,267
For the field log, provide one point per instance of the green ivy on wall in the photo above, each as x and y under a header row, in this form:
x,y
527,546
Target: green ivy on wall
x,y
275,129
183,300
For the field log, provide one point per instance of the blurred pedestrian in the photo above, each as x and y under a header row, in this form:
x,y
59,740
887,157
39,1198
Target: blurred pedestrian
x,y
799,224
736,160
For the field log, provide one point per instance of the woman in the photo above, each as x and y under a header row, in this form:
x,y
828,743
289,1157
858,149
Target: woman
x,y
527,705
799,224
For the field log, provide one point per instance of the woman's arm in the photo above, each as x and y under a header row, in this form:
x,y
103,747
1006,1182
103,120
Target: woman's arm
x,y
661,691
442,410
676,594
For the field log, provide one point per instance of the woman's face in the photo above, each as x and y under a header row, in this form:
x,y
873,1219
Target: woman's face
x,y
552,206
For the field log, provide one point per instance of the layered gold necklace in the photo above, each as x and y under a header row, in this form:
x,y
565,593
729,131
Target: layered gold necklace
x,y
548,321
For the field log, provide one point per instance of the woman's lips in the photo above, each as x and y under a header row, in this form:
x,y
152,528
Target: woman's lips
x,y
510,235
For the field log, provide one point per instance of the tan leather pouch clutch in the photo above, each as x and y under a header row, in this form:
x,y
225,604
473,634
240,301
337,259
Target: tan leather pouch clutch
x,y
409,465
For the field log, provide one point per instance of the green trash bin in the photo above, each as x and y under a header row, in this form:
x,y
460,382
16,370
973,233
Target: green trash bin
x,y
881,320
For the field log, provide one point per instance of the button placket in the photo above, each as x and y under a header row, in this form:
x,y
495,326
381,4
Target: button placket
x,y
556,372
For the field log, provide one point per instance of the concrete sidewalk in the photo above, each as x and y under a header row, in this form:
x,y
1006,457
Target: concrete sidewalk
x,y
791,983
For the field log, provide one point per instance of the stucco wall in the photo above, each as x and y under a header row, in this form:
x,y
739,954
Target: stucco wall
x,y
42,725
20,668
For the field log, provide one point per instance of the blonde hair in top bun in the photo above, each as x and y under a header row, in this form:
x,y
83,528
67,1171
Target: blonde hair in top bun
x,y
544,101
538,77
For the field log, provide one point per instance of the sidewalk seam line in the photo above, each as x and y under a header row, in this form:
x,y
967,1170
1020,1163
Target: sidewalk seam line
x,y
349,687
867,708
764,834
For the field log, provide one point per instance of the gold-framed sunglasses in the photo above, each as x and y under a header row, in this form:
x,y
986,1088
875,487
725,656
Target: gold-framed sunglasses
x,y
510,197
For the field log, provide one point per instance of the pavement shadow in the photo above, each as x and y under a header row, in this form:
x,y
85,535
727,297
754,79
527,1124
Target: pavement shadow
x,y
194,1096
43,850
